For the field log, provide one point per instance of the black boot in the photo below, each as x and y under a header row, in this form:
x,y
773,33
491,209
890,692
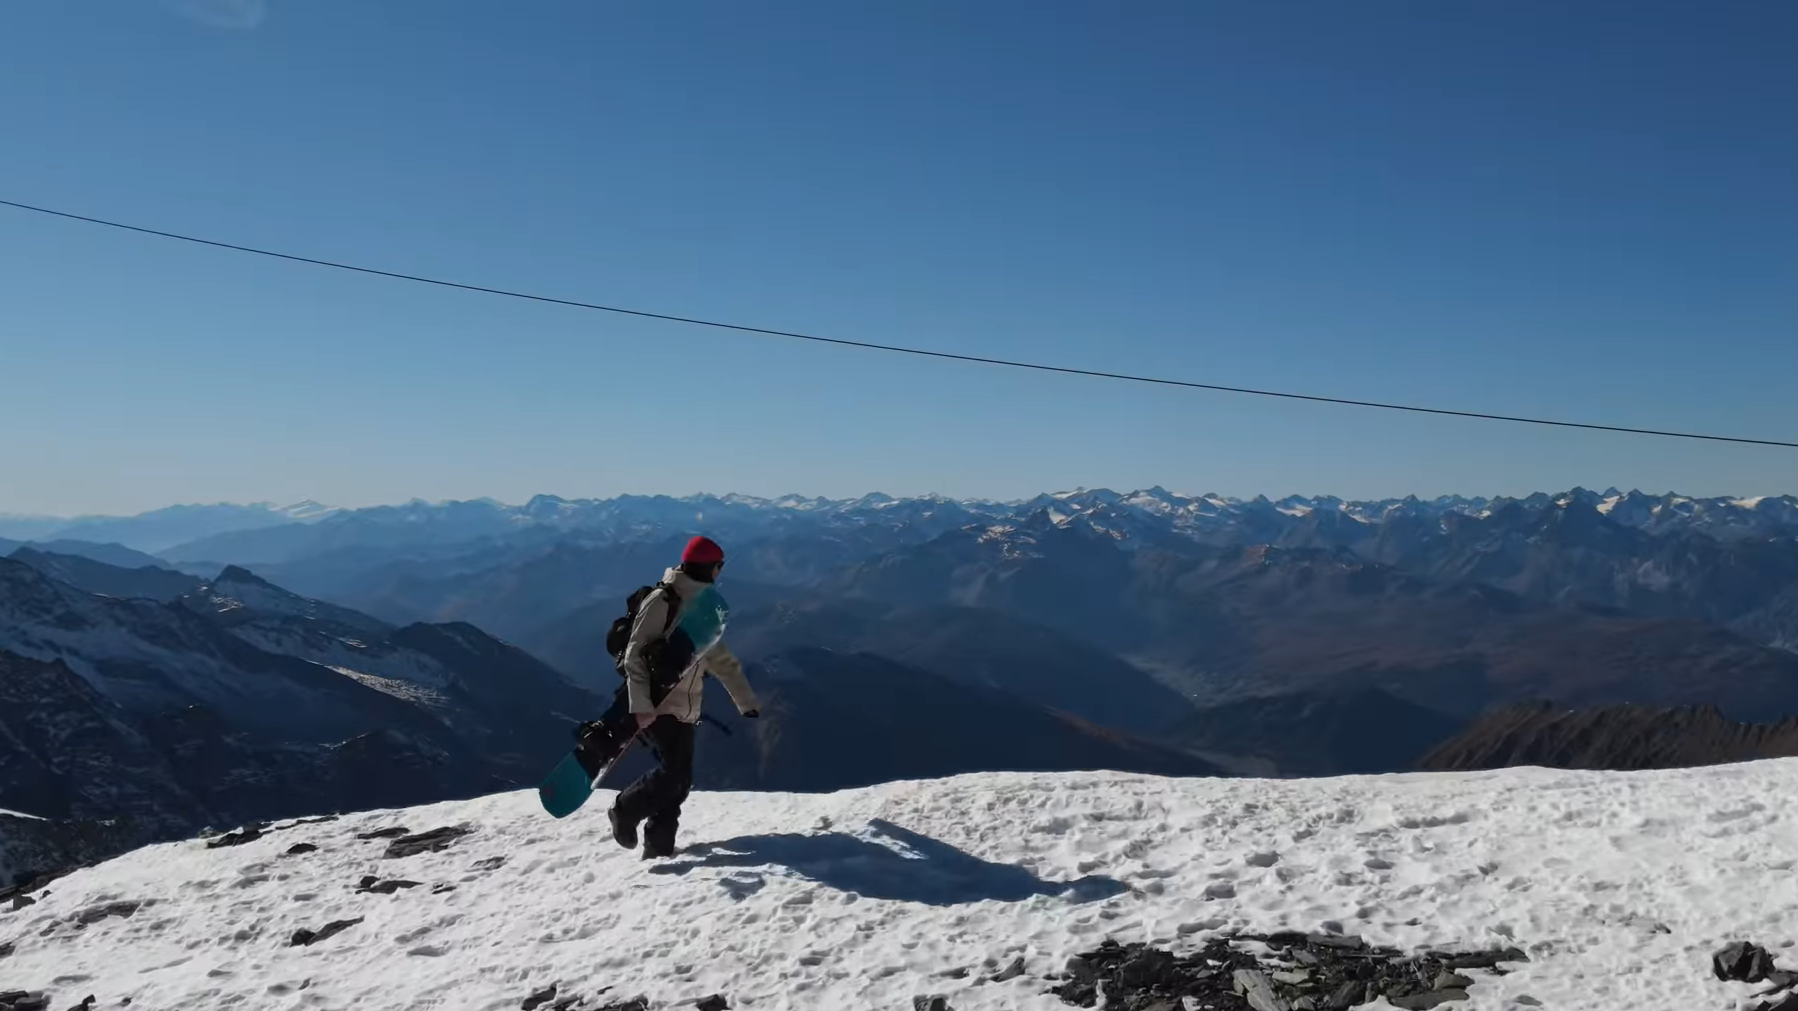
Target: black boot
x,y
624,831
658,840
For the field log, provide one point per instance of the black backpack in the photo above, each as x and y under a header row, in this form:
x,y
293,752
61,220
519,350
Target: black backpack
x,y
619,635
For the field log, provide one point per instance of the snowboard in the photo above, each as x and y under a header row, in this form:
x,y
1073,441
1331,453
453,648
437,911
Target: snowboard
x,y
568,786
700,626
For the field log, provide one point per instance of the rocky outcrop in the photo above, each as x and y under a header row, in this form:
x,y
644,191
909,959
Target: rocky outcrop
x,y
1743,962
1610,737
1295,972
34,850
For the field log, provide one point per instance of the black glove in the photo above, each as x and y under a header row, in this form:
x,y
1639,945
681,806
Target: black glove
x,y
750,714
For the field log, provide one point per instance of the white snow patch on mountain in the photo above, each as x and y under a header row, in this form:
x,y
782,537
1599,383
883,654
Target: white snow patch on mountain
x,y
410,691
305,512
1618,885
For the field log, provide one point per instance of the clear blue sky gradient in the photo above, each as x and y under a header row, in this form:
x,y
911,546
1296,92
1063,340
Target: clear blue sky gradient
x,y
1582,210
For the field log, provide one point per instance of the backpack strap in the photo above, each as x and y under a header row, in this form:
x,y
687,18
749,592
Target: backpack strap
x,y
673,610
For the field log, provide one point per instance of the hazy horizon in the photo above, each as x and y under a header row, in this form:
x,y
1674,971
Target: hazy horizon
x,y
13,515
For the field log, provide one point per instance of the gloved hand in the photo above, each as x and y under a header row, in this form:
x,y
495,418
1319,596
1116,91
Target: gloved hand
x,y
750,714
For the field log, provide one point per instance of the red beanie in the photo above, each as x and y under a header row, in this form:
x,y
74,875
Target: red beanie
x,y
702,551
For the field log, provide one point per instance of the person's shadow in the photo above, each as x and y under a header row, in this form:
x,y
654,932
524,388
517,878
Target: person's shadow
x,y
885,862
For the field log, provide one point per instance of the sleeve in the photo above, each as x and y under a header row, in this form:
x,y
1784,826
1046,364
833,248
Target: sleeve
x,y
650,619
725,666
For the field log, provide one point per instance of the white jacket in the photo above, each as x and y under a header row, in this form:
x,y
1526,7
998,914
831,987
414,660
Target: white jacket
x,y
685,700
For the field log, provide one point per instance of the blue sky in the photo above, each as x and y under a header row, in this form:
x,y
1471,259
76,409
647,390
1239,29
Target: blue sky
x,y
1580,210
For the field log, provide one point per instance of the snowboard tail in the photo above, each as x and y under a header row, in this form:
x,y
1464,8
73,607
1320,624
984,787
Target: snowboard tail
x,y
572,781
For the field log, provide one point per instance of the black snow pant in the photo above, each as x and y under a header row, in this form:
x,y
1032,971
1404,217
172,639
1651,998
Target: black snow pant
x,y
656,799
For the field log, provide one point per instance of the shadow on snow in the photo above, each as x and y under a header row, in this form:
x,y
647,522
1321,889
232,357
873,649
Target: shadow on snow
x,y
887,862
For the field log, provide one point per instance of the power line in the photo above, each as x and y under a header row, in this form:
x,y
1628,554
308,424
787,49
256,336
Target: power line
x,y
894,348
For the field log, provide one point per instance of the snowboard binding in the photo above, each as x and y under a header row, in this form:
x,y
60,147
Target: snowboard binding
x,y
595,746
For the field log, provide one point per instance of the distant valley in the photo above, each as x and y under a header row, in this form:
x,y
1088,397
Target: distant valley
x,y
203,665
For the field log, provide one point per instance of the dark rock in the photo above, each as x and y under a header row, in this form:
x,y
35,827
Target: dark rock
x,y
1258,990
6,949
440,889
1748,963
309,937
634,1004
1479,959
383,833
300,847
248,834
370,883
1347,995
297,822
426,842
934,1002
1146,968
1787,1002
489,863
715,1002
543,996
25,1000
21,901
94,914
1010,972
1424,1001
86,1003
1337,973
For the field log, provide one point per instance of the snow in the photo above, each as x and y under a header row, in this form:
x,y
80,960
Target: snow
x,y
305,512
1619,885
4,813
399,688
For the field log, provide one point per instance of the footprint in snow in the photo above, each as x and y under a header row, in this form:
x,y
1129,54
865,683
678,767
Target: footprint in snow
x,y
742,886
1433,821
1736,814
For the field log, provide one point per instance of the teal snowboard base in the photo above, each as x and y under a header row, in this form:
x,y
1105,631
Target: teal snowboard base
x,y
567,787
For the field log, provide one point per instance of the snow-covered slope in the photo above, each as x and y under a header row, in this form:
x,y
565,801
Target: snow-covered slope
x,y
1617,885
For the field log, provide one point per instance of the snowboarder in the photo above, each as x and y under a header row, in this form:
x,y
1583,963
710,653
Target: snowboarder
x,y
673,644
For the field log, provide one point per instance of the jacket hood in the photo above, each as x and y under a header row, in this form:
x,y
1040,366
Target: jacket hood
x,y
683,584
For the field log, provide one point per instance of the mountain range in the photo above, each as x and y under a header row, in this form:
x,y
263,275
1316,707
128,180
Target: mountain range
x,y
287,661
168,704
159,529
